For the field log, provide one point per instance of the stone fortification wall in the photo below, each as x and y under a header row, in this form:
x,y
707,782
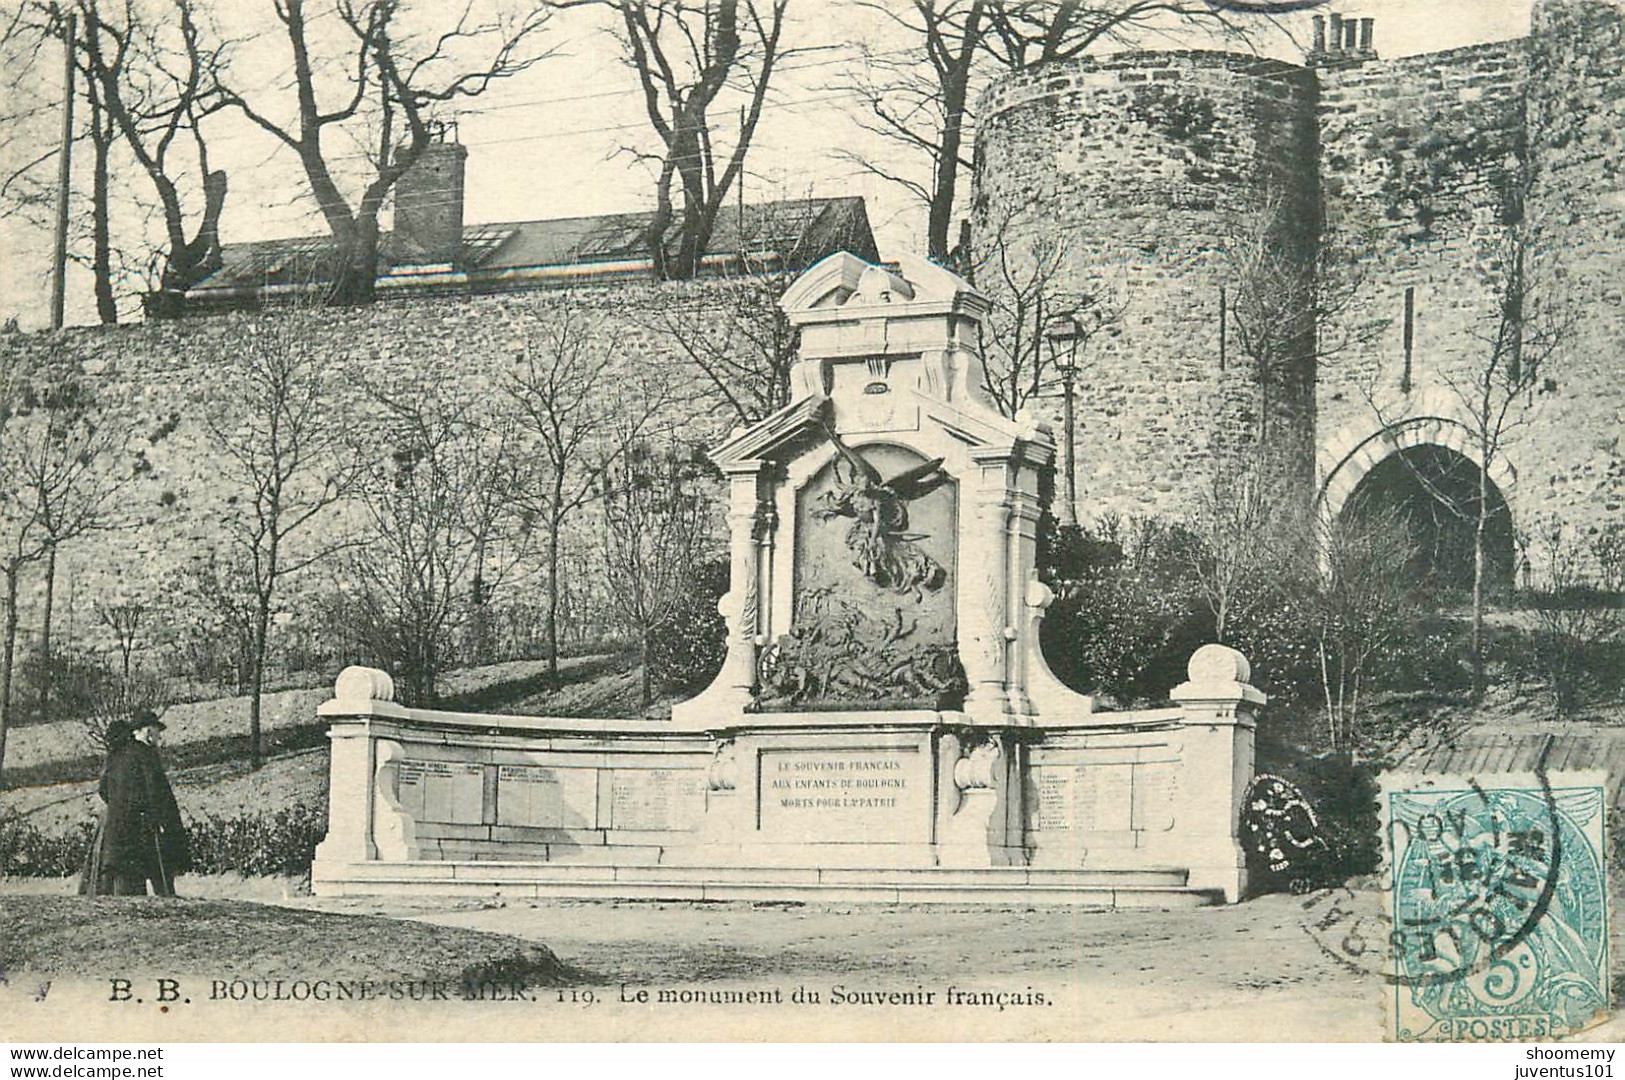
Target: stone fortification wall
x,y
160,380
1150,165
1437,171
1572,460
1420,177
1422,160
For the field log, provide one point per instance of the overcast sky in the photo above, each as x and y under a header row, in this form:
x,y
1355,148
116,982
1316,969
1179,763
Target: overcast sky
x,y
549,143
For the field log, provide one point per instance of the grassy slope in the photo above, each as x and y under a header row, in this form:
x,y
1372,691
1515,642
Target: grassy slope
x,y
53,768
66,936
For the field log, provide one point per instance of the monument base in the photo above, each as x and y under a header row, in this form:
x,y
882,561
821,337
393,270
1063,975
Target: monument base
x,y
621,881
892,806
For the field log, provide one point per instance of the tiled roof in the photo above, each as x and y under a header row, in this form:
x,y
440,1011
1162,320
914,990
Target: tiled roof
x,y
792,233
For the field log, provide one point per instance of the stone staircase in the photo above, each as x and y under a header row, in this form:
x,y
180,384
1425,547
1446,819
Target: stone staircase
x,y
1019,886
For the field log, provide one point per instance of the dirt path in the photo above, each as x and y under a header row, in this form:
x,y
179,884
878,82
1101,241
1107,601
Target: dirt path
x,y
1248,972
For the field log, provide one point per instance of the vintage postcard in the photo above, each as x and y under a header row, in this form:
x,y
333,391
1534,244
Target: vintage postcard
x,y
756,520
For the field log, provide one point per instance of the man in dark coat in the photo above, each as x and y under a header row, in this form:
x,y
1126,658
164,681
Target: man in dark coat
x,y
141,838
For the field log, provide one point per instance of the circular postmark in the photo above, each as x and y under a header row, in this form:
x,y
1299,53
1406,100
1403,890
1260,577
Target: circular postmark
x,y
1472,873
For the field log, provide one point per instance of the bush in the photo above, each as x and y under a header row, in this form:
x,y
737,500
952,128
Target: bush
x,y
26,851
689,646
283,842
1125,619
1273,638
77,680
1431,654
1578,614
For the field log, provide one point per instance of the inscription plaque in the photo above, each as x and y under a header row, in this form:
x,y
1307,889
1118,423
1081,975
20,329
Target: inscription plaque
x,y
1085,797
656,799
845,796
547,798
452,792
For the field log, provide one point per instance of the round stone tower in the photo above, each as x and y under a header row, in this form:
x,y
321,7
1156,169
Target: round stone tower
x,y
1572,450
1169,198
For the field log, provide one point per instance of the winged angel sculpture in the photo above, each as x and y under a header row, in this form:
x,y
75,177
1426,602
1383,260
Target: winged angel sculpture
x,y
881,545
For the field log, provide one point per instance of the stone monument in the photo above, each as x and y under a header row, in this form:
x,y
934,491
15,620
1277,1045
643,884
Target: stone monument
x,y
884,725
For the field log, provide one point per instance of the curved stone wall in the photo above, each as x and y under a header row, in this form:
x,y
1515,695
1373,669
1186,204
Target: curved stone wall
x,y
1153,166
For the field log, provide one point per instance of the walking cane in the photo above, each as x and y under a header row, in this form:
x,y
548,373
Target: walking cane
x,y
164,886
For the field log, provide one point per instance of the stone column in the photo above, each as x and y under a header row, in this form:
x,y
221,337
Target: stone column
x,y
750,527
1021,557
983,600
1216,764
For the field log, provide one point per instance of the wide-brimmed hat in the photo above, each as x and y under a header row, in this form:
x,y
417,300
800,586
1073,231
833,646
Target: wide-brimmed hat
x,y
145,719
117,731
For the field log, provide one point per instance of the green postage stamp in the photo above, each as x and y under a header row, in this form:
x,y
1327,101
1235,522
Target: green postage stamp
x,y
1497,892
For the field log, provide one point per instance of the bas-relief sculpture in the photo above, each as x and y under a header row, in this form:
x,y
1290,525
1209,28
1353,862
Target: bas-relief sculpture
x,y
872,620
884,725
883,548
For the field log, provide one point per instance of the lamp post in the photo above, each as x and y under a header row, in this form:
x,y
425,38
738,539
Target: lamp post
x,y
1063,334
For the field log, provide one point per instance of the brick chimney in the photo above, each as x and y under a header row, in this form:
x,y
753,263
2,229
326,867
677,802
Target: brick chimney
x,y
1347,42
429,207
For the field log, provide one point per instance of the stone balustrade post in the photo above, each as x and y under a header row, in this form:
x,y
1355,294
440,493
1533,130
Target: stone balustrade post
x,y
1216,764
984,588
358,694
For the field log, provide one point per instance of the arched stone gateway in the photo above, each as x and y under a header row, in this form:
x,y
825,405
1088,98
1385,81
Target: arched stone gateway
x,y
1424,468
1434,493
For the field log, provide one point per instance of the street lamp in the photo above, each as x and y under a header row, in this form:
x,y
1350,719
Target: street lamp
x,y
1064,334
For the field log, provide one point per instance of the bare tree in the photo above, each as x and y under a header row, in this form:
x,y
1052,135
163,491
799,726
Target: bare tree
x,y
1353,597
134,686
1523,334
123,620
145,79
57,483
739,340
574,418
118,697
281,448
1531,326
686,54
220,616
922,100
657,520
1029,282
29,118
151,72
1236,540
415,65
439,515
1290,301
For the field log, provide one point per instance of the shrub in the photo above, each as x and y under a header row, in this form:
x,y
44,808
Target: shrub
x,y
281,842
1577,614
251,844
1273,637
1125,619
27,851
76,680
1431,653
688,647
